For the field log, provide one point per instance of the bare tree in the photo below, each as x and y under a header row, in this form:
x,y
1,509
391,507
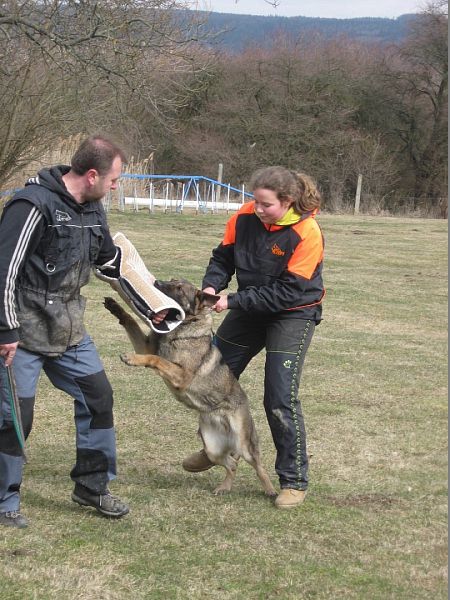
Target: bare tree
x,y
427,53
70,65
92,34
412,95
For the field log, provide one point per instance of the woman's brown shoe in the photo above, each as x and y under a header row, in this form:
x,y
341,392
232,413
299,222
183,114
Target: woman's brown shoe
x,y
197,462
290,498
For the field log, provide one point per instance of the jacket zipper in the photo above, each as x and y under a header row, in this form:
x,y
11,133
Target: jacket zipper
x,y
80,266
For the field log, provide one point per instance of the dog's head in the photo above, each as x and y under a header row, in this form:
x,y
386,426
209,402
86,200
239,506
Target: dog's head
x,y
192,300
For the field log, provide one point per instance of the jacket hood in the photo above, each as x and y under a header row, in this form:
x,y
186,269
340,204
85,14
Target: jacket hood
x,y
52,180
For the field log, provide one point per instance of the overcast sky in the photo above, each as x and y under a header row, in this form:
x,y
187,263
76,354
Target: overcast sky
x,y
340,9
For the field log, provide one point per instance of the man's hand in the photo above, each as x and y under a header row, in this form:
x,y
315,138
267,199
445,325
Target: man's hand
x,y
159,316
8,352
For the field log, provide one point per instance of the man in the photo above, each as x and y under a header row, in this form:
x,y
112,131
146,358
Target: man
x,y
51,233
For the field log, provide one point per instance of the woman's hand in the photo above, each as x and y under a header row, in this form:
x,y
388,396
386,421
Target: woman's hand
x,y
221,304
209,290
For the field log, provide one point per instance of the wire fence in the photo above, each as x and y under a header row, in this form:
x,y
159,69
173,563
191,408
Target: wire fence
x,y
405,206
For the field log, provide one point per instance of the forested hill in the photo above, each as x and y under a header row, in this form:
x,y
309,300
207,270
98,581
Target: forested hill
x,y
240,31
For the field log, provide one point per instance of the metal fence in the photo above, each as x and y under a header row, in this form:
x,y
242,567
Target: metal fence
x,y
175,193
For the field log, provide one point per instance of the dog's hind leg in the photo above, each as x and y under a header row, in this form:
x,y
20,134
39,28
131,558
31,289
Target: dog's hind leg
x,y
249,448
220,446
253,459
230,465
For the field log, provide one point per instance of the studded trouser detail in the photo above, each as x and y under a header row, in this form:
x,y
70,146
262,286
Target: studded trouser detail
x,y
286,341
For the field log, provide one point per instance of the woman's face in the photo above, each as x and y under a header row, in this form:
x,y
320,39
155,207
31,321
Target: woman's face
x,y
268,208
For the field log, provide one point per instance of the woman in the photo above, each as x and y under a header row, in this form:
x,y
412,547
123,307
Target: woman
x,y
275,247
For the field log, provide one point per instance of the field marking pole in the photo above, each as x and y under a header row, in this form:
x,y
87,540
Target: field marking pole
x,y
173,192
182,198
166,200
358,194
213,199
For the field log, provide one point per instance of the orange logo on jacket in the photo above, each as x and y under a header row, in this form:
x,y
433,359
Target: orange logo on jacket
x,y
277,250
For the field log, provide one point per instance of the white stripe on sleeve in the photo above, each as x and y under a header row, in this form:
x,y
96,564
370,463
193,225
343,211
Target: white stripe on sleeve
x,y
30,225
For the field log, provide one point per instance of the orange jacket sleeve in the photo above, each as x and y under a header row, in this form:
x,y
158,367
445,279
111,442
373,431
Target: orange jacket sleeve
x,y
309,252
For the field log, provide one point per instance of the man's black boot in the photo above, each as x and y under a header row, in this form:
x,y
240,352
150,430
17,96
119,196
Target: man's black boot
x,y
106,504
13,518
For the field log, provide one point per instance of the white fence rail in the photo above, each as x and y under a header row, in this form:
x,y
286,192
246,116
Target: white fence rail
x,y
176,193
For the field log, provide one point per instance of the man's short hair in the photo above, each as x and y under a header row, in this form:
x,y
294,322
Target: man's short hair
x,y
96,152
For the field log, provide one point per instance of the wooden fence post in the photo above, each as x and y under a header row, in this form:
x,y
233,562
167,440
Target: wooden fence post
x,y
358,194
219,179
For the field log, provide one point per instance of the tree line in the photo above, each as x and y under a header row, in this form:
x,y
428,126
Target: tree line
x,y
235,32
334,108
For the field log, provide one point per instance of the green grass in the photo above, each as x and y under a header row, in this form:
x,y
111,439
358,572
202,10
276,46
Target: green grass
x,y
374,398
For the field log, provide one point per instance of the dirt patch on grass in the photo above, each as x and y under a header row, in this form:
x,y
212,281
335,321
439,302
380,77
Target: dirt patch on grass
x,y
372,501
17,552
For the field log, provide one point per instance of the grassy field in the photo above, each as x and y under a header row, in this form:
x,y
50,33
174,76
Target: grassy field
x,y
374,397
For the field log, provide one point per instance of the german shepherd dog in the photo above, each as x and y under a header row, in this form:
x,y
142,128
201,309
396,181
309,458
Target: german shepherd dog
x,y
196,374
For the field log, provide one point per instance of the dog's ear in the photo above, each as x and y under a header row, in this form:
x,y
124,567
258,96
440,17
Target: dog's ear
x,y
203,299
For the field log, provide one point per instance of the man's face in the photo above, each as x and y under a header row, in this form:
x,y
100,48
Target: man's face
x,y
100,185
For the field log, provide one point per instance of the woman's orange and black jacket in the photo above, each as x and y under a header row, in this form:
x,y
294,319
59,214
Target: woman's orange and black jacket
x,y
278,267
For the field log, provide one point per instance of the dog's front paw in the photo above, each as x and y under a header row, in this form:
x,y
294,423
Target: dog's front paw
x,y
129,359
114,307
221,490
